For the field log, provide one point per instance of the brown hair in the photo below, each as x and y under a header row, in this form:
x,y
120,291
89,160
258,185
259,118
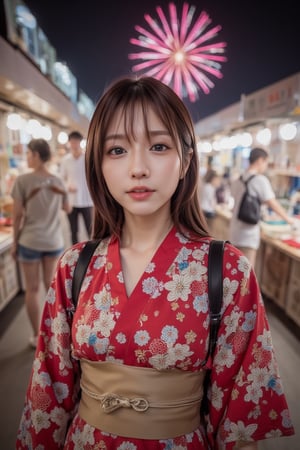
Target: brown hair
x,y
257,153
75,135
41,147
147,92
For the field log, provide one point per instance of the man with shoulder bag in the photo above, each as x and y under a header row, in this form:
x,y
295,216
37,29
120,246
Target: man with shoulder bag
x,y
250,191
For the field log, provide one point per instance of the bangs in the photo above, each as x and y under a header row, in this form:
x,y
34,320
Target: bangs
x,y
135,108
131,100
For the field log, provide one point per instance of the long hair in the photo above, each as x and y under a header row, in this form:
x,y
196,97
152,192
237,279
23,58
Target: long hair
x,y
125,95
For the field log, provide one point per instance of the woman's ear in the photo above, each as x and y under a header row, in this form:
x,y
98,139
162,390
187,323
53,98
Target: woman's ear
x,y
186,164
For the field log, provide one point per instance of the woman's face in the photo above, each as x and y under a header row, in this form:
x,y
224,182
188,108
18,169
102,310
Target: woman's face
x,y
141,173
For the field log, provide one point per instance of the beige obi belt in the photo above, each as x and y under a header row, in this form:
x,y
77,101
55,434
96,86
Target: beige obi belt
x,y
140,402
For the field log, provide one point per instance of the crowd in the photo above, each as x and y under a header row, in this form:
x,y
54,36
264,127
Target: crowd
x,y
125,368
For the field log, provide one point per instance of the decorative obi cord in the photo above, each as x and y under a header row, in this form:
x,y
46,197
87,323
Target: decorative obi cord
x,y
140,402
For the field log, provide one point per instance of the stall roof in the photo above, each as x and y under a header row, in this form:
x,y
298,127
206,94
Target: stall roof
x,y
22,84
278,100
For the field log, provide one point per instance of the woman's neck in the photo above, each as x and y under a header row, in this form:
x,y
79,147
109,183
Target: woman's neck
x,y
145,235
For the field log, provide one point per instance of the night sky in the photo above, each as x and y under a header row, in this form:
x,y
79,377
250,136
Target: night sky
x,y
92,37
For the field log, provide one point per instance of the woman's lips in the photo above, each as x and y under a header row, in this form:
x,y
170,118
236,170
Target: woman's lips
x,y
140,193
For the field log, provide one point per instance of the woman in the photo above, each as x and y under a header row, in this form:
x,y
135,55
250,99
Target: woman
x,y
125,369
37,233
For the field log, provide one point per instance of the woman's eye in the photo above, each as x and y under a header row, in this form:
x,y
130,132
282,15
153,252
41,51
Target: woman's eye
x,y
159,147
116,151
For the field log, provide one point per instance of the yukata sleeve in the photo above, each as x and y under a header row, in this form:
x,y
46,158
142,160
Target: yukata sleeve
x,y
52,395
247,402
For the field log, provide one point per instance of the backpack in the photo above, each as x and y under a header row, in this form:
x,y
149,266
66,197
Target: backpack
x,y
215,297
249,209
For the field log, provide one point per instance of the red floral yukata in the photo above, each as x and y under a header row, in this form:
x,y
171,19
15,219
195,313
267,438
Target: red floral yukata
x,y
162,324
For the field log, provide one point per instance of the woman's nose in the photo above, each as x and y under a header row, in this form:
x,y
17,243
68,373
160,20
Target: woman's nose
x,y
139,166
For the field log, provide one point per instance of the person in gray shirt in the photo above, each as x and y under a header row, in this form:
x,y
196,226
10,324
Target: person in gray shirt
x,y
37,232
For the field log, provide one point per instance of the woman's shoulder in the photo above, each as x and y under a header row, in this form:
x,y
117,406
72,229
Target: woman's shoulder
x,y
71,254
74,249
236,269
205,241
232,253
233,258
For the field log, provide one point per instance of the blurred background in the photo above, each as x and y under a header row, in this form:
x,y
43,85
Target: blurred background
x,y
235,65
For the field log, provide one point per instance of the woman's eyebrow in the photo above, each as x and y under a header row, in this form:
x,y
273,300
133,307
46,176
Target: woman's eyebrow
x,y
124,136
114,136
159,133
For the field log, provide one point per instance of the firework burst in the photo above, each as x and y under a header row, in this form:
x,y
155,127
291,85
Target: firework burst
x,y
180,52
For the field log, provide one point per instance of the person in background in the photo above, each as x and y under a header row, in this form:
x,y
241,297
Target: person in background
x,y
246,236
295,202
208,198
37,232
72,171
223,192
125,370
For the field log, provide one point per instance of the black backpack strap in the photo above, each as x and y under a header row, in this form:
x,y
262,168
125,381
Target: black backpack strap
x,y
215,289
247,181
81,268
215,299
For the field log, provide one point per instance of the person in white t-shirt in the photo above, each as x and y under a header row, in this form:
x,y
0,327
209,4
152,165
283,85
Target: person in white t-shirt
x,y
243,235
72,170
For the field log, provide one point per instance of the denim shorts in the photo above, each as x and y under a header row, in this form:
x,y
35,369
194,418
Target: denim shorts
x,y
26,254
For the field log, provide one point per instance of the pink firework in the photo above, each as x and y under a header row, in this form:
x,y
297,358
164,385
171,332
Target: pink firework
x,y
178,52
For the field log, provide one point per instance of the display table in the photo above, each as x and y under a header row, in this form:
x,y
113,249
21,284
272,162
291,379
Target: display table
x,y
9,278
277,265
280,277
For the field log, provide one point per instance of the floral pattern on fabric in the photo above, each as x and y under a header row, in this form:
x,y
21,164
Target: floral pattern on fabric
x,y
163,324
